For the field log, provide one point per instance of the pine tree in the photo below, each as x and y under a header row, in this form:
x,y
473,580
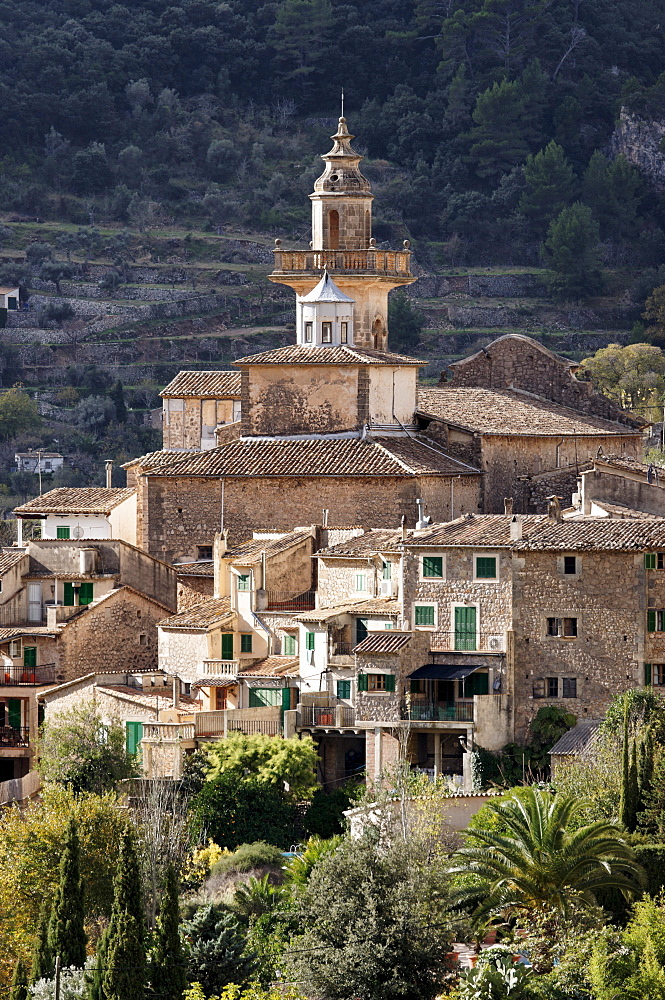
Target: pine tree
x,y
66,935
19,987
498,137
217,950
168,973
121,959
117,395
42,959
550,185
572,245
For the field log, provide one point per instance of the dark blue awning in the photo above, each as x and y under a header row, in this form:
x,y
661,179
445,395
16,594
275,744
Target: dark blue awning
x,y
442,672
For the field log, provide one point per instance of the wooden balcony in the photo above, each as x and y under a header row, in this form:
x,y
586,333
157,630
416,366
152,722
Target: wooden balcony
x,y
388,263
267,721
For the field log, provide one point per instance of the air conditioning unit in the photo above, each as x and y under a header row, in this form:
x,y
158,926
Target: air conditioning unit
x,y
496,643
386,588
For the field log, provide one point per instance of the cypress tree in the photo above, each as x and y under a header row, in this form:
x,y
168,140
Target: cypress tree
x,y
19,987
168,975
634,788
66,935
42,959
645,771
121,972
624,803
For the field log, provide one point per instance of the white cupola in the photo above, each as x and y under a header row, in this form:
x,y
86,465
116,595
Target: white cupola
x,y
324,316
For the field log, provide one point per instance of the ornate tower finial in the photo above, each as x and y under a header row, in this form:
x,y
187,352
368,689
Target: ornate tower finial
x,y
342,102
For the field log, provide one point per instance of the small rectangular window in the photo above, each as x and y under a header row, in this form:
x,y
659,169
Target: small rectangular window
x,y
62,532
344,333
376,682
246,643
424,614
387,570
570,687
649,560
433,567
417,685
309,329
289,645
570,627
486,567
658,674
660,560
361,581
569,565
309,640
552,687
326,333
343,689
143,639
566,627
204,551
243,582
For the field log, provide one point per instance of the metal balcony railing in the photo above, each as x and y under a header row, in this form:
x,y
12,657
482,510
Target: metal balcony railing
x,y
370,261
284,600
27,676
11,736
464,642
341,648
459,711
337,716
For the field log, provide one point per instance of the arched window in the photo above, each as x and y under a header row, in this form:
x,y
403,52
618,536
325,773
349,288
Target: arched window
x,y
333,230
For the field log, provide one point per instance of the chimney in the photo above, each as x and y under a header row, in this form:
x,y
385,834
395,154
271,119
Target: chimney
x,y
423,521
109,472
508,506
554,510
403,528
324,518
176,691
218,552
515,526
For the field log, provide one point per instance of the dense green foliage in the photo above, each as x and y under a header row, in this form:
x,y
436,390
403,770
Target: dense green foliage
x,y
66,934
121,968
216,949
79,749
518,762
208,112
233,810
168,978
285,764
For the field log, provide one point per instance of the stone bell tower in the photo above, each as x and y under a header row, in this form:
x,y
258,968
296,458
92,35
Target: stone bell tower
x,y
342,244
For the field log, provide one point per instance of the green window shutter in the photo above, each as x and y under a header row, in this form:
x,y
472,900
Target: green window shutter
x,y
246,643
486,567
289,645
68,596
265,697
465,628
424,614
15,713
651,620
134,735
362,682
29,656
243,582
649,560
390,682
479,683
227,645
433,566
309,640
62,532
387,570
647,675
343,689
86,594
286,699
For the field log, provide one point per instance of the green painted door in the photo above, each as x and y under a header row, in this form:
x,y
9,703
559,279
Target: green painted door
x,y
265,697
465,628
68,594
134,735
15,713
29,656
227,645
85,594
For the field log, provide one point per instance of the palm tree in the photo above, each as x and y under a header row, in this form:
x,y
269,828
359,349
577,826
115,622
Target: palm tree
x,y
541,868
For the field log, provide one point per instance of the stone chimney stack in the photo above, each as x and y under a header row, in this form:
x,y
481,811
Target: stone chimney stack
x,y
515,527
219,547
554,510
109,473
508,506
423,520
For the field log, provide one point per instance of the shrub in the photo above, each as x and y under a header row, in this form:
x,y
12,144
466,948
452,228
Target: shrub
x,y
652,859
249,856
325,815
234,810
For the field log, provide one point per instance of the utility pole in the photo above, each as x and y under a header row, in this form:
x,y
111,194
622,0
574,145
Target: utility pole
x,y
57,977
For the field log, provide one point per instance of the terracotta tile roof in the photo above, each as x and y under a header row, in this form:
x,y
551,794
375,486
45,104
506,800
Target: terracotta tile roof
x,y
157,459
384,642
272,666
365,545
300,354
89,500
206,385
284,457
491,411
617,510
37,630
195,569
374,606
488,530
597,534
9,559
148,698
631,465
250,553
213,611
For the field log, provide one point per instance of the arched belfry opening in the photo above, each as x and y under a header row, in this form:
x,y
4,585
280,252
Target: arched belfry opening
x,y
378,335
333,229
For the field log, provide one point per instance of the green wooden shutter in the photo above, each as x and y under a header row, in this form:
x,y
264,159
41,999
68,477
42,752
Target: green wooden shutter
x,y
387,570
246,643
289,645
649,560
265,697
227,645
68,595
86,593
465,628
433,566
15,713
309,640
424,614
343,689
62,532
362,682
390,682
647,675
286,699
651,620
486,567
479,683
133,736
29,656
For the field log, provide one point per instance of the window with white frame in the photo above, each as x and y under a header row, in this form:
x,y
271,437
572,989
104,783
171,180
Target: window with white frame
x,y
432,567
485,567
361,582
424,615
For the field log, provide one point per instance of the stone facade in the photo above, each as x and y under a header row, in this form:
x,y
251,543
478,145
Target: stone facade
x,y
189,424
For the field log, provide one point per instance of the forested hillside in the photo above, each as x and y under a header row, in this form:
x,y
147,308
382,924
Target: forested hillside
x,y
211,114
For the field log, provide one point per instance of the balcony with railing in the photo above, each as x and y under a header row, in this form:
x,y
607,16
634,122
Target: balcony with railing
x,y
22,676
392,263
461,641
168,732
285,600
458,711
227,669
14,736
340,653
326,716
267,721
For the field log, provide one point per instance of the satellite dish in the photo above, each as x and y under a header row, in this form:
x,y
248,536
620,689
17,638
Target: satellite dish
x,y
78,531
